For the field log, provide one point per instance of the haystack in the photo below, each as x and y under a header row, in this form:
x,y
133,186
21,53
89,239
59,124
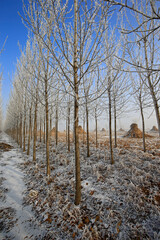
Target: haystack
x,y
135,132
121,130
103,130
80,130
154,129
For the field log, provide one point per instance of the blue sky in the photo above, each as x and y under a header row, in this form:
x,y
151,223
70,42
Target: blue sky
x,y
11,26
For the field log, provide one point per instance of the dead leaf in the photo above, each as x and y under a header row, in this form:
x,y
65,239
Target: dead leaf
x,y
85,220
73,235
97,218
81,225
91,192
49,220
118,225
157,199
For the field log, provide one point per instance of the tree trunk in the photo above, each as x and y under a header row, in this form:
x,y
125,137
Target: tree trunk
x,y
76,109
115,125
67,132
83,129
155,101
44,129
24,131
35,132
17,132
96,132
110,126
40,131
47,127
30,130
50,128
24,134
69,128
87,128
56,130
20,131
143,126
35,123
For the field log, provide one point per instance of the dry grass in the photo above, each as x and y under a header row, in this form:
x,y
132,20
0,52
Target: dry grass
x,y
122,142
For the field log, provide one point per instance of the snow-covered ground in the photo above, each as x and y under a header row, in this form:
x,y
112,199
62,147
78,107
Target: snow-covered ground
x,y
16,220
120,201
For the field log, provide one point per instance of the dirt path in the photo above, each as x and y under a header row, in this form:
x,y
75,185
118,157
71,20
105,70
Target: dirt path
x,y
16,220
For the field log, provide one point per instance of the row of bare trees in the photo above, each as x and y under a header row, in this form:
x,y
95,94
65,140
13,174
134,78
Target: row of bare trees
x,y
74,64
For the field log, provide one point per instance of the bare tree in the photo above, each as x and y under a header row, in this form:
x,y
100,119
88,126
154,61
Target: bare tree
x,y
145,33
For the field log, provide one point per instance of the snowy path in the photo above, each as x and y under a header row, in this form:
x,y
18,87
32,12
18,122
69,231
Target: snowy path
x,y
16,221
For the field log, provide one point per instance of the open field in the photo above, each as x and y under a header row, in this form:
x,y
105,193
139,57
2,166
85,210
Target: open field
x,y
152,144
120,201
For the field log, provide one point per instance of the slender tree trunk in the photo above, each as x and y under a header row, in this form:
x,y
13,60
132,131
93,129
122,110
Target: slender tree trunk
x,y
155,101
83,129
17,132
35,123
76,109
87,127
67,132
44,128
143,126
20,130
96,132
110,126
56,130
50,128
30,130
35,132
47,127
14,132
69,127
115,125
24,134
40,131
24,130
24,123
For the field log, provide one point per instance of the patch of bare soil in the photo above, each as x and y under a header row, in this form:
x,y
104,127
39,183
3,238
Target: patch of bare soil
x,y
5,147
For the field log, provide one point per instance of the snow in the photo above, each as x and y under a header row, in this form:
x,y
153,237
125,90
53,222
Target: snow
x,y
24,224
